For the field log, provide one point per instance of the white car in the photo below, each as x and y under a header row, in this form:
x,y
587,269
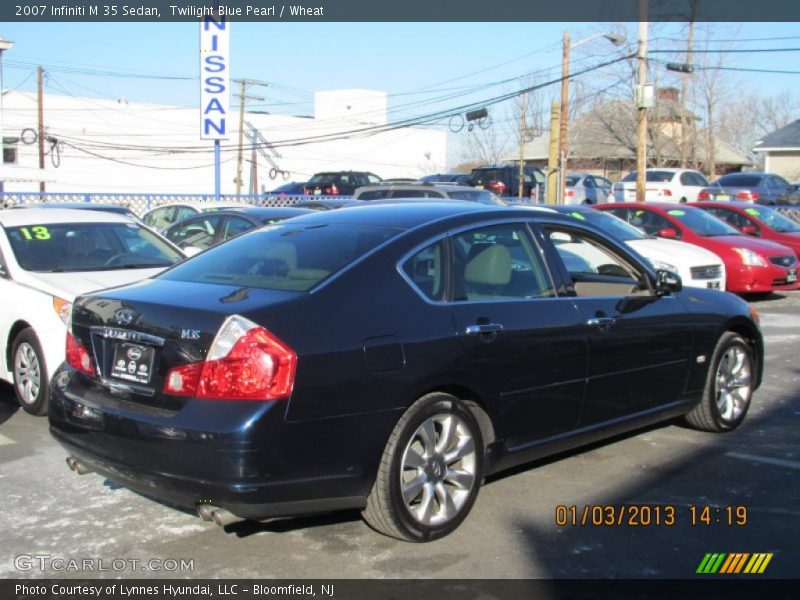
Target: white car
x,y
47,258
164,215
697,266
662,185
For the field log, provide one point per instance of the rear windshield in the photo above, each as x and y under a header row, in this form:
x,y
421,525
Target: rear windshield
x,y
572,180
323,179
740,180
283,257
652,176
487,175
67,247
701,222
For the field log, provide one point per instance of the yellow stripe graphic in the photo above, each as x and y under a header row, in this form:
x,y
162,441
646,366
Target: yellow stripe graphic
x,y
768,557
749,567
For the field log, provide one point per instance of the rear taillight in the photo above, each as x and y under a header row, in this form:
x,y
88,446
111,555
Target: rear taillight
x,y
747,195
703,195
78,356
498,186
245,362
665,192
569,193
334,190
306,191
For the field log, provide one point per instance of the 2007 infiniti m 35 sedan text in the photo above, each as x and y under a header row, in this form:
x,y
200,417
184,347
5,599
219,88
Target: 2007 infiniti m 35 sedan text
x,y
388,358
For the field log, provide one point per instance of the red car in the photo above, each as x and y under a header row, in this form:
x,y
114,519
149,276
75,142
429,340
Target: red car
x,y
763,222
751,265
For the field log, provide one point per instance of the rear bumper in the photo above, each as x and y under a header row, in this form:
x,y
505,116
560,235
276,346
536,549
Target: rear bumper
x,y
242,456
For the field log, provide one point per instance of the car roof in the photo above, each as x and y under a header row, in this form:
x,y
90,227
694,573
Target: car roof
x,y
261,212
76,205
200,204
53,216
411,215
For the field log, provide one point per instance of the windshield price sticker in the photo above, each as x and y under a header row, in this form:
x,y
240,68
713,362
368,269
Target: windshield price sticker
x,y
38,232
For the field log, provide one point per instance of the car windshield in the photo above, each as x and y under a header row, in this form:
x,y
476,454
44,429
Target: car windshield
x,y
609,224
651,176
701,222
739,180
283,257
68,247
481,196
773,219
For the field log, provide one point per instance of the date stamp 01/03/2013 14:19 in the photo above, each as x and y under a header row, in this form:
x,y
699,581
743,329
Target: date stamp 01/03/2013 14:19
x,y
649,515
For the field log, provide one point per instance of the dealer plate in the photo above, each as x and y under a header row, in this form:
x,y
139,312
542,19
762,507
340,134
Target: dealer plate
x,y
133,362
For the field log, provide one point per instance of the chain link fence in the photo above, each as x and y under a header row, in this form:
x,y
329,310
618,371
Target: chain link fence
x,y
141,203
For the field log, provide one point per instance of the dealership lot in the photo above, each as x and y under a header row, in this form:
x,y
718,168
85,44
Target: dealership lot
x,y
511,533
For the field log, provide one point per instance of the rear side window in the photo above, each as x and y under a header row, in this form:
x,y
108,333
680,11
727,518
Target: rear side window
x,y
426,271
283,257
373,195
498,263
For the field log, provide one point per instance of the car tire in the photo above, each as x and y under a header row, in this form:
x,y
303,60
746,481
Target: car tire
x,y
430,471
729,386
30,373
683,201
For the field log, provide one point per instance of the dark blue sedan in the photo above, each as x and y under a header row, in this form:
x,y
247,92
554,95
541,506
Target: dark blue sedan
x,y
388,358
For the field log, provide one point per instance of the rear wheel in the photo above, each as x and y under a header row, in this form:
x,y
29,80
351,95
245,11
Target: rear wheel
x,y
430,472
30,375
729,386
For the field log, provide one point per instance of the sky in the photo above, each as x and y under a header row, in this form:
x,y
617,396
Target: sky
x,y
424,67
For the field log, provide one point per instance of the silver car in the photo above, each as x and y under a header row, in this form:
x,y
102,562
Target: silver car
x,y
584,188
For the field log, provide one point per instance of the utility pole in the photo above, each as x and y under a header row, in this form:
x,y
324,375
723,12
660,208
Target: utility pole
x,y
40,111
685,87
552,158
563,141
243,98
523,107
253,172
641,123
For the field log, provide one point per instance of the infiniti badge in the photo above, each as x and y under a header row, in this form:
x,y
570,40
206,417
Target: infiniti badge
x,y
124,316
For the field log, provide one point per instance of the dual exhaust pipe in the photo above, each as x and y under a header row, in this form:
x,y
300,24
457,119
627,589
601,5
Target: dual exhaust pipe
x,y
75,465
220,516
207,512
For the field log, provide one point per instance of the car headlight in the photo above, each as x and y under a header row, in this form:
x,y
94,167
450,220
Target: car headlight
x,y
750,258
63,309
664,266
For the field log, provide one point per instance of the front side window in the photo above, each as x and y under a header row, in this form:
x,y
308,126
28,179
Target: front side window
x,y
498,263
595,268
160,218
235,226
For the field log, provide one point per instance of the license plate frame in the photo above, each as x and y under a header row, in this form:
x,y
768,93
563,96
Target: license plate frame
x,y
133,362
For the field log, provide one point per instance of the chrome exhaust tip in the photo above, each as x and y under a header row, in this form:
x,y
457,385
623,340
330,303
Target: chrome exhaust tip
x,y
224,517
77,466
204,511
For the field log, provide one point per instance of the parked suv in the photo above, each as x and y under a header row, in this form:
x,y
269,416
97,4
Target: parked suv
x,y
503,180
426,190
339,183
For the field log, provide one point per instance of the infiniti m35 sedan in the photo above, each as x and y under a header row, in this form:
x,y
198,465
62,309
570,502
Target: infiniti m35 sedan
x,y
388,358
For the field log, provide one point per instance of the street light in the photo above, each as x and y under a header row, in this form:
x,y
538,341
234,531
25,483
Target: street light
x,y
563,142
4,45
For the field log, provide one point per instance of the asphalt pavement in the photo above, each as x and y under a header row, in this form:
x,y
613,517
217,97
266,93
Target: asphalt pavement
x,y
51,516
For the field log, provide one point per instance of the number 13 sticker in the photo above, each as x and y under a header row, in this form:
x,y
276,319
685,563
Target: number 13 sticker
x,y
35,233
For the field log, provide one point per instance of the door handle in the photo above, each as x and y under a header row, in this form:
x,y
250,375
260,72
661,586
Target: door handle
x,y
601,322
483,328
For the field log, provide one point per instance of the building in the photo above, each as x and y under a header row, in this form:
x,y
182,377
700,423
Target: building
x,y
781,150
603,141
97,145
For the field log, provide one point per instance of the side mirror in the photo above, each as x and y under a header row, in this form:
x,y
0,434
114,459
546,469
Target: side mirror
x,y
668,232
750,230
667,282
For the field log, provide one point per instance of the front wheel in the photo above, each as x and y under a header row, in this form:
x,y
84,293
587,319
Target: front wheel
x,y
30,374
430,472
729,386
